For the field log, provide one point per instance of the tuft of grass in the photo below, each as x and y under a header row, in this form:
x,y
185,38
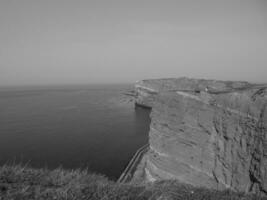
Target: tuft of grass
x,y
24,183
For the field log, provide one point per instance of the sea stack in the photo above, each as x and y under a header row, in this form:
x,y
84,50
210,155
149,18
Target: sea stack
x,y
206,133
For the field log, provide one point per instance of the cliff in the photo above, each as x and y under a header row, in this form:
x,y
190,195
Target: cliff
x,y
206,133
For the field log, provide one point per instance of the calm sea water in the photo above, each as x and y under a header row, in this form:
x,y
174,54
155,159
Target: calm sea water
x,y
94,127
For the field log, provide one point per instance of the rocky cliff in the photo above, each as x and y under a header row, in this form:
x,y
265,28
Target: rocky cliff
x,y
207,133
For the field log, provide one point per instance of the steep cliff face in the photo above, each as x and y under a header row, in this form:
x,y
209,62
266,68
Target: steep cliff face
x,y
207,133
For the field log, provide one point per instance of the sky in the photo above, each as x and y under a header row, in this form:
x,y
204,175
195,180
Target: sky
x,y
95,41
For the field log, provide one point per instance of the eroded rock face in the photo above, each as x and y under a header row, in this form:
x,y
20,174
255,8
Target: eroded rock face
x,y
207,133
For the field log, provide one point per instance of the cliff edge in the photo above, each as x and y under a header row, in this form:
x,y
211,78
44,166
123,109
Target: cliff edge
x,y
206,133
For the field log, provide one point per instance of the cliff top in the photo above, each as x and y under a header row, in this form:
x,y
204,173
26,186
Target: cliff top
x,y
20,182
190,84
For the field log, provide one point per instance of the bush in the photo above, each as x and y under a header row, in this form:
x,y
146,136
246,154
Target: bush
x,y
23,183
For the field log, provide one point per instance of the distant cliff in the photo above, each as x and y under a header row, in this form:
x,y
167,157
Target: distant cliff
x,y
206,133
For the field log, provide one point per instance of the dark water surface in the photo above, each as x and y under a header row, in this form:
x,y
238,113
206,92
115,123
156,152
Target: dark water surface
x,y
71,126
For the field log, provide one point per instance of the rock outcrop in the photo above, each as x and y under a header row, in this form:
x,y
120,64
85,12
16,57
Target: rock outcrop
x,y
207,133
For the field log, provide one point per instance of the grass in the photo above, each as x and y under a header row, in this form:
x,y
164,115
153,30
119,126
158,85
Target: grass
x,y
24,183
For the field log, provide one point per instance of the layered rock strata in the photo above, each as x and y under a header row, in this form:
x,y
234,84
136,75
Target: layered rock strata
x,y
207,133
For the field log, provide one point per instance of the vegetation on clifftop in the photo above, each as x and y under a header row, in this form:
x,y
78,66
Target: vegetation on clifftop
x,y
23,183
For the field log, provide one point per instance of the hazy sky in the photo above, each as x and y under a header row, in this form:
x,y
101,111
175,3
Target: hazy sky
x,y
62,41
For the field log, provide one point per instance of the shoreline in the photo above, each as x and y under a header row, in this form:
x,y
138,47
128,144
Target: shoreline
x,y
128,173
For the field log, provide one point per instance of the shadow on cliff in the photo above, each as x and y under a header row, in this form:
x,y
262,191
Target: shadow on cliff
x,y
142,117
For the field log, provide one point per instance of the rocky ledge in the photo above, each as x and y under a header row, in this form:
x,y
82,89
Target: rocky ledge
x,y
206,133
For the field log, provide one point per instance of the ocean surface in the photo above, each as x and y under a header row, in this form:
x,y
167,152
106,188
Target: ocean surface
x,y
87,126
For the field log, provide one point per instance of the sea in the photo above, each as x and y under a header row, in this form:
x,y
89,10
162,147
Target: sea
x,y
93,127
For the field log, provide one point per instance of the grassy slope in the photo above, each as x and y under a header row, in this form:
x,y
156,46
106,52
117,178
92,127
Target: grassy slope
x,y
19,183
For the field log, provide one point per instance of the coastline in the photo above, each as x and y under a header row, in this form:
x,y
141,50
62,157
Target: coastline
x,y
23,182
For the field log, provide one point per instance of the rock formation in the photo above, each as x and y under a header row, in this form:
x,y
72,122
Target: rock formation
x,y
207,133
